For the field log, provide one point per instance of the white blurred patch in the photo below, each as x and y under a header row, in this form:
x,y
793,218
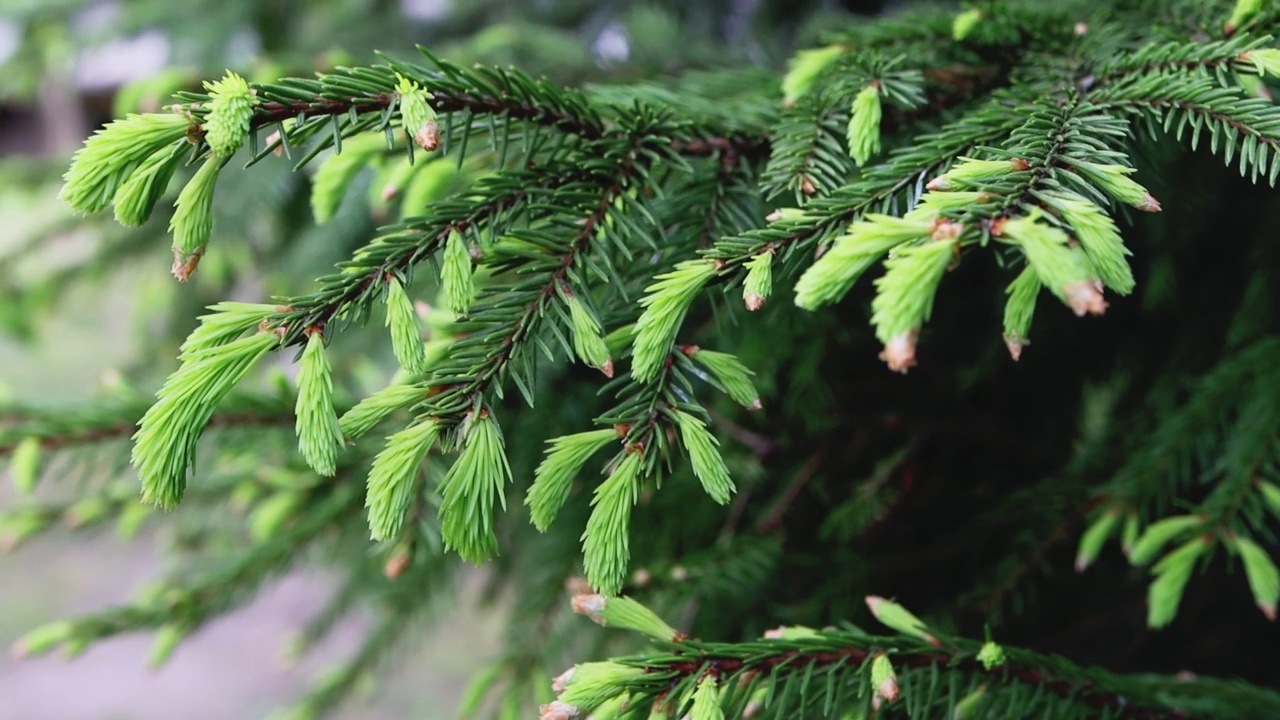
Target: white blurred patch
x,y
10,38
612,45
119,61
425,10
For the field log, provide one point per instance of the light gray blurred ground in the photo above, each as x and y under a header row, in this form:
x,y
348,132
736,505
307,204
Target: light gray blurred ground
x,y
234,669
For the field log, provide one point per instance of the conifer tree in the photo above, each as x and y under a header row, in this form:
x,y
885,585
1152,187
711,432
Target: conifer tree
x,y
739,362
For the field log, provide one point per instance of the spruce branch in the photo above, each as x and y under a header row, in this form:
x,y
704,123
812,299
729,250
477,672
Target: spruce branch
x,y
807,671
117,419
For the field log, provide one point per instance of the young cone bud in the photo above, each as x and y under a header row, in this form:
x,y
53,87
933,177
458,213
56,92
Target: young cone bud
x,y
706,700
971,172
317,423
759,281
594,683
898,618
991,655
418,116
884,681
192,221
406,336
1019,309
1064,271
226,126
864,124
904,297
1114,179
1244,11
793,632
1093,538
1260,570
623,612
457,287
588,343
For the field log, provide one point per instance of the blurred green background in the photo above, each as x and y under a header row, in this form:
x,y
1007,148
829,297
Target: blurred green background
x,y
85,305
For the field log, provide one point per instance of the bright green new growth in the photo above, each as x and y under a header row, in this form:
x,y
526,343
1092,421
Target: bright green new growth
x,y
1261,572
24,464
964,23
319,434
864,125
1064,271
704,455
457,285
418,116
1093,538
110,156
192,221
137,197
164,447
594,683
706,700
1099,237
758,285
468,489
1161,533
666,302
804,68
991,655
554,477
627,614
1172,574
1244,11
898,618
373,409
406,336
1114,179
867,240
732,376
230,109
1265,61
606,546
936,203
588,344
883,679
972,172
1019,309
904,294
394,477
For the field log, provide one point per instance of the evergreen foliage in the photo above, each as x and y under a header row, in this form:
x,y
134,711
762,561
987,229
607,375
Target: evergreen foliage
x,y
735,471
